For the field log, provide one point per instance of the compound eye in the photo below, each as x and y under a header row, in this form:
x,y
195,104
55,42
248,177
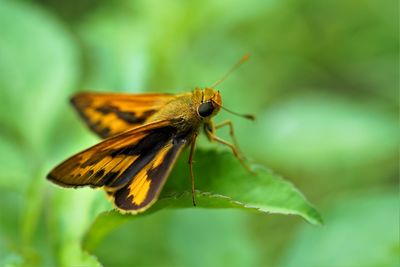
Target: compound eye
x,y
205,109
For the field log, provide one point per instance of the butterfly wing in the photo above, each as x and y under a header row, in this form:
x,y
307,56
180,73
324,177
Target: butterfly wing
x,y
141,154
142,191
110,114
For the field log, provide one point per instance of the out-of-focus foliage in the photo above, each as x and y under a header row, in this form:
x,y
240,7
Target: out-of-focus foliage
x,y
322,80
351,246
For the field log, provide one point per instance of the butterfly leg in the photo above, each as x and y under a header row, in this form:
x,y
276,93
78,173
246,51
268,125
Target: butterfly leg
x,y
192,149
210,132
231,133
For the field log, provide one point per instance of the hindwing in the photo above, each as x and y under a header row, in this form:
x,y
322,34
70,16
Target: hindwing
x,y
110,114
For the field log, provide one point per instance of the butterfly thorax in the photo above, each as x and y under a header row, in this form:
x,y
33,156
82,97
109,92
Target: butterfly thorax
x,y
189,111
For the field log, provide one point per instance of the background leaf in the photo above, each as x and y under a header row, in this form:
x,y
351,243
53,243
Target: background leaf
x,y
39,69
174,238
346,245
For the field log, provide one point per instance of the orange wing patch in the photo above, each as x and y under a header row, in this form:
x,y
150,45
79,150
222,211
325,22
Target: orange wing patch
x,y
145,187
139,188
111,114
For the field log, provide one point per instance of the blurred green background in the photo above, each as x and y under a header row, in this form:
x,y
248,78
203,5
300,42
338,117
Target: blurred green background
x,y
322,80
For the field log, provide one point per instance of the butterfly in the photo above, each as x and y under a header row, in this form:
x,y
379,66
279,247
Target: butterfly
x,y
143,137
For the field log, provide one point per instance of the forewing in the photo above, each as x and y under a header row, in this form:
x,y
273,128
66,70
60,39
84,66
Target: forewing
x,y
110,114
142,191
115,161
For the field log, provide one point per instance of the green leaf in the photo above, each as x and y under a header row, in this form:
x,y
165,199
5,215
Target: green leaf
x,y
221,174
222,182
362,229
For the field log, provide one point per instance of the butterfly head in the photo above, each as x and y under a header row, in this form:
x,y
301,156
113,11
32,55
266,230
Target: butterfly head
x,y
210,104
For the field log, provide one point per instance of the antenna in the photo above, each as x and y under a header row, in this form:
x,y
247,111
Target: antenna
x,y
246,116
237,65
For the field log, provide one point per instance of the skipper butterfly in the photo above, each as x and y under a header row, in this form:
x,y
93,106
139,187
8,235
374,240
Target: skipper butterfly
x,y
144,134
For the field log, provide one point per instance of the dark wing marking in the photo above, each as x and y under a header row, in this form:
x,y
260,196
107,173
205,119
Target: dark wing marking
x,y
115,161
110,114
142,191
